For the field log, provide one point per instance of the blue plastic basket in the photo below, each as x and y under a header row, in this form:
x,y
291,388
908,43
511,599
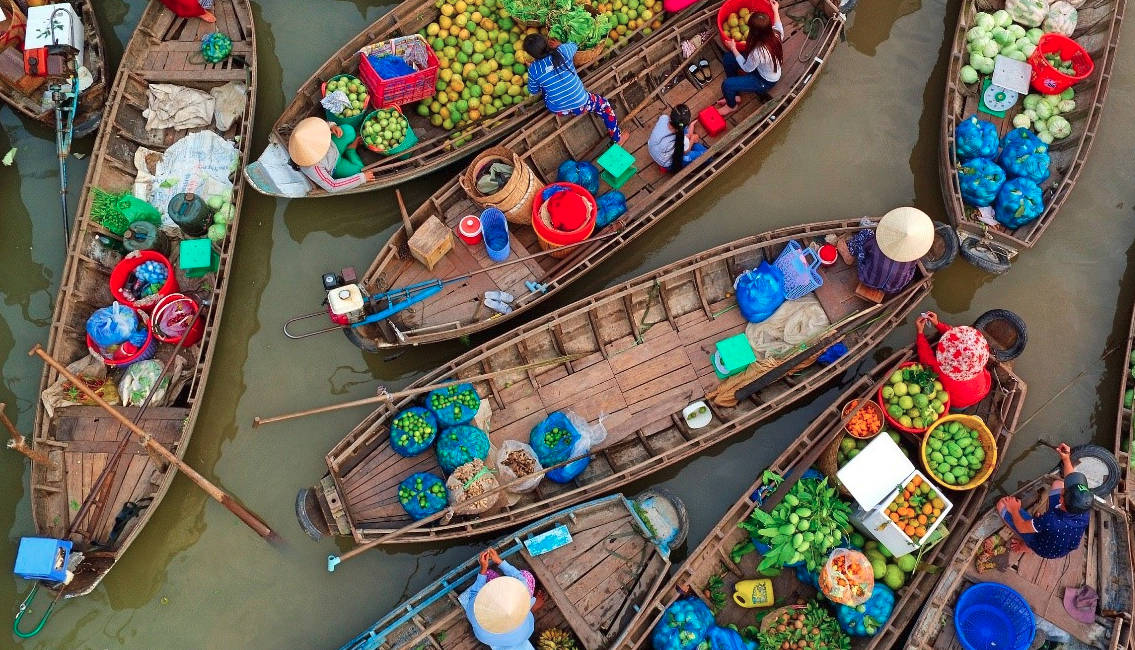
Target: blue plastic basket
x,y
798,265
494,234
991,616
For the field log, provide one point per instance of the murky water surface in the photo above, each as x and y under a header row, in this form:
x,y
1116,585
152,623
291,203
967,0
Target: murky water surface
x,y
865,140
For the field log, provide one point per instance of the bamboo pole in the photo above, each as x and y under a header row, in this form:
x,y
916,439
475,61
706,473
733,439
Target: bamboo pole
x,y
248,517
405,214
390,397
19,443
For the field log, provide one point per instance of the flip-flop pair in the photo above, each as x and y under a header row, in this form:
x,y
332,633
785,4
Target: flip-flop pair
x,y
700,72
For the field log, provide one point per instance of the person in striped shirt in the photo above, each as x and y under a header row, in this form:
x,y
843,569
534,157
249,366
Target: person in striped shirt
x,y
325,153
553,73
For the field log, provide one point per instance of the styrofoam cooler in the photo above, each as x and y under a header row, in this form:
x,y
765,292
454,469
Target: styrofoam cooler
x,y
874,478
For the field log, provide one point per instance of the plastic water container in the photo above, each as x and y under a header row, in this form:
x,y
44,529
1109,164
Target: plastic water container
x,y
990,615
799,264
494,230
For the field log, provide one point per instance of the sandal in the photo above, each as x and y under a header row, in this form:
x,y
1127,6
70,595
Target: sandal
x,y
705,71
695,78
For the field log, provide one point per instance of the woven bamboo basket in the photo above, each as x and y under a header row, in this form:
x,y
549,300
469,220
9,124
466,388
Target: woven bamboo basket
x,y
582,57
828,463
770,618
515,198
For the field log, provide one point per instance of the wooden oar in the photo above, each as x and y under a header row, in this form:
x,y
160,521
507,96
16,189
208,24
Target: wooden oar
x,y
390,397
248,517
18,442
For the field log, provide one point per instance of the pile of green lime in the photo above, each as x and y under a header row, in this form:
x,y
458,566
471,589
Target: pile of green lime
x,y
354,89
914,397
954,453
384,129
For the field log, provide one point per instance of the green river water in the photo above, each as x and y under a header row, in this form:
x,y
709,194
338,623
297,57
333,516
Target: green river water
x,y
864,141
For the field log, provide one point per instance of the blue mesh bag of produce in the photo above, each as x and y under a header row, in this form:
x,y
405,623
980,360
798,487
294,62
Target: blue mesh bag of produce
x,y
876,612
683,626
1019,202
979,180
759,292
1024,155
459,445
584,174
112,325
975,138
726,638
413,431
612,205
422,494
454,405
561,436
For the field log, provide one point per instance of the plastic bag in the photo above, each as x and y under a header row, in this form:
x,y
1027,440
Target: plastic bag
x,y
979,180
975,138
1023,154
137,381
612,205
422,494
454,405
470,481
512,458
876,612
584,174
92,371
413,431
1019,202
459,445
726,638
112,325
847,577
683,626
563,435
759,292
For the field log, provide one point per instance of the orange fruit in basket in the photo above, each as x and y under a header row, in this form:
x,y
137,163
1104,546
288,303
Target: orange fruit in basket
x,y
895,517
922,519
938,504
927,509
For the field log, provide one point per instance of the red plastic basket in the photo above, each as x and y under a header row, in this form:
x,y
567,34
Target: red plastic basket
x,y
1047,79
132,261
895,423
733,6
126,354
385,93
550,237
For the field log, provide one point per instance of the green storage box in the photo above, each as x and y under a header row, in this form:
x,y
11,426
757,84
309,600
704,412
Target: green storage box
x,y
733,355
197,258
618,166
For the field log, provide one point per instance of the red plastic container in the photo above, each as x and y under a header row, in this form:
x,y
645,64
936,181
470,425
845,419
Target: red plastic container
x,y
828,254
385,93
127,354
895,423
733,6
183,302
1046,79
132,261
552,238
712,121
469,230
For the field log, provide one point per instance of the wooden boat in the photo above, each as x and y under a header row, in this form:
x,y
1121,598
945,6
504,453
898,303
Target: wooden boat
x,y
436,146
1000,410
638,352
595,585
1124,434
27,94
991,247
640,96
1102,562
81,440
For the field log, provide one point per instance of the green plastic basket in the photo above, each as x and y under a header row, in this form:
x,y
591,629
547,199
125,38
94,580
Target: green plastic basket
x,y
353,121
410,140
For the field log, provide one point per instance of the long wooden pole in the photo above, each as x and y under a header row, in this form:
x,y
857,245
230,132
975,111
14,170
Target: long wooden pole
x,y
405,214
248,517
390,397
18,442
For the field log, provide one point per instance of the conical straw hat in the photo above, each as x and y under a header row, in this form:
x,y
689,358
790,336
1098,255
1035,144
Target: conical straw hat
x,y
905,234
502,605
309,141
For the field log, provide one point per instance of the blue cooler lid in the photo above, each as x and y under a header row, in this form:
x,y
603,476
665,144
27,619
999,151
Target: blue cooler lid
x,y
35,559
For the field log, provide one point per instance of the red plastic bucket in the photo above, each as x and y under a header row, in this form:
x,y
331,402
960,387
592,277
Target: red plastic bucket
x,y
733,6
1047,79
132,261
469,230
553,238
126,354
182,308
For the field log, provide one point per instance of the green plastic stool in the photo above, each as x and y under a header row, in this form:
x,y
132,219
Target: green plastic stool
x,y
735,354
196,258
618,166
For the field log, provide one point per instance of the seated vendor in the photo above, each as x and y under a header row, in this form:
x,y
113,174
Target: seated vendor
x,y
959,360
888,255
500,610
325,153
192,9
668,131
1058,531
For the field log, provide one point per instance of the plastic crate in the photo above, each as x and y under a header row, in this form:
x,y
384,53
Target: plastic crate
x,y
385,93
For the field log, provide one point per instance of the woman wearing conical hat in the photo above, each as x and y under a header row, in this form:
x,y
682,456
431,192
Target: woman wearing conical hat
x,y
888,255
325,153
500,610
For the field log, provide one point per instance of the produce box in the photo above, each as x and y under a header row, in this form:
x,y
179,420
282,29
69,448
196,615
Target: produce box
x,y
431,242
875,478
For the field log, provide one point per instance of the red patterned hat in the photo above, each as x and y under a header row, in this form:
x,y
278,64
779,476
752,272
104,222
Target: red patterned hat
x,y
962,353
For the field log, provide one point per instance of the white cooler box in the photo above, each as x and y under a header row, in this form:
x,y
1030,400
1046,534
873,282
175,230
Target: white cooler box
x,y
874,478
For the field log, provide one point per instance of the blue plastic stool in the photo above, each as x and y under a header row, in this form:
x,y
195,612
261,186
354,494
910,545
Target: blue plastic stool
x,y
991,616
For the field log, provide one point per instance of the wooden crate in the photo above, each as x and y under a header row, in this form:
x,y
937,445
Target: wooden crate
x,y
431,242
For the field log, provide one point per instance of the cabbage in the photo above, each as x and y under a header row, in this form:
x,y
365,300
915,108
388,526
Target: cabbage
x,y
1034,34
217,232
982,64
1016,55
215,202
968,74
1017,31
985,21
1002,36
1066,106
1021,121
975,33
1043,110
1040,125
1030,101
1002,18
1031,114
1059,128
1045,137
1068,94
991,49
1028,50
1021,43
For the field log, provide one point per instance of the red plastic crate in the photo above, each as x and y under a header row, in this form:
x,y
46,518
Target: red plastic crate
x,y
386,93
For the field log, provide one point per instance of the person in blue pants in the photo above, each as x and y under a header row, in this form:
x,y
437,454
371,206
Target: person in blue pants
x,y
756,65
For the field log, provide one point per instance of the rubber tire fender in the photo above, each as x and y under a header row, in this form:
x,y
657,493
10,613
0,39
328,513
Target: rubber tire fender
x,y
1014,321
359,341
1108,459
949,254
987,257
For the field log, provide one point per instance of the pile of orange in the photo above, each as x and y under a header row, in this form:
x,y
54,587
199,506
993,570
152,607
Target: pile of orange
x,y
916,508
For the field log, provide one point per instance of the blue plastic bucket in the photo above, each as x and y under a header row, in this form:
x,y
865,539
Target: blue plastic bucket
x,y
990,615
494,230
